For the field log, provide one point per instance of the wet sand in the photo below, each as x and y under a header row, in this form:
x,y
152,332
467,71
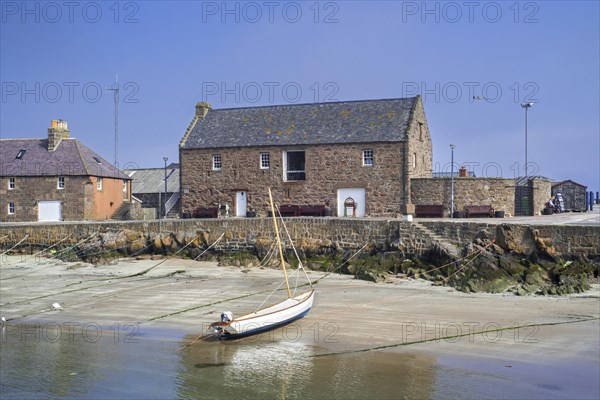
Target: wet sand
x,y
348,314
533,346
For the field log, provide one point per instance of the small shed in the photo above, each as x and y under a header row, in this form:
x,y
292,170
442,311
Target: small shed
x,y
573,194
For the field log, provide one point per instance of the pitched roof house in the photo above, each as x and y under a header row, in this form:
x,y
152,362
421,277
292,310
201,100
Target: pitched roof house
x,y
356,157
58,178
148,185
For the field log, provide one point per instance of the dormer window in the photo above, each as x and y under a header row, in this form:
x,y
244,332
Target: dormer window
x,y
97,160
20,154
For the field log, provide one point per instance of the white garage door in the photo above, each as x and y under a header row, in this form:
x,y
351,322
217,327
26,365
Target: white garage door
x,y
49,211
356,194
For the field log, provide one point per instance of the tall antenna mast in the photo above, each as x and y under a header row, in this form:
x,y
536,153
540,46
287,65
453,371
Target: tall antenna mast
x,y
115,89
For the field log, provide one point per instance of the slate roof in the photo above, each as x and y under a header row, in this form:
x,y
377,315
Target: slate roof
x,y
149,180
364,121
565,181
71,158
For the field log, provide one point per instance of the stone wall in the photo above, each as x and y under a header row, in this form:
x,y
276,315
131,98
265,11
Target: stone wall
x,y
310,234
497,192
80,198
574,195
29,190
541,194
328,168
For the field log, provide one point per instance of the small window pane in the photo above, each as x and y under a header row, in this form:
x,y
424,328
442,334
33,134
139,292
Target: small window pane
x,y
217,162
60,184
265,161
11,208
367,157
99,184
11,183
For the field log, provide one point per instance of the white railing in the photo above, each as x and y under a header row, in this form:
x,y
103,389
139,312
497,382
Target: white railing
x,y
171,202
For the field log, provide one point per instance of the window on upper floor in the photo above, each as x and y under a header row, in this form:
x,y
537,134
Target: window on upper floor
x,y
11,183
60,183
368,158
124,186
265,161
414,160
294,162
216,162
99,183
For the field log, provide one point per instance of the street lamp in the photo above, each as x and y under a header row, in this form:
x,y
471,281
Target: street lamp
x,y
165,200
526,106
452,180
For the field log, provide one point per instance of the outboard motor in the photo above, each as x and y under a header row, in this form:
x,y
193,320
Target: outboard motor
x,y
226,316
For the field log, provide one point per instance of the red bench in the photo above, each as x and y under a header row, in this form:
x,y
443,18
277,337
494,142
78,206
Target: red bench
x,y
429,210
212,212
479,210
312,210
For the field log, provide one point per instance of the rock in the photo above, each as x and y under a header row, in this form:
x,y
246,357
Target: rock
x,y
137,245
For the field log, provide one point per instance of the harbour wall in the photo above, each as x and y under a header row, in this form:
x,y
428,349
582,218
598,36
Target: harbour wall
x,y
309,234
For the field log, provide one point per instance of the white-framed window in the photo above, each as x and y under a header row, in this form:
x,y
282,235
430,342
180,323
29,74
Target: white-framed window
x,y
124,186
11,208
216,162
294,166
368,158
265,161
60,182
11,183
99,183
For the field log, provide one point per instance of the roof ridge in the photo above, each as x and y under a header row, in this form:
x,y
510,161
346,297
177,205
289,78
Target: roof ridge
x,y
85,166
313,104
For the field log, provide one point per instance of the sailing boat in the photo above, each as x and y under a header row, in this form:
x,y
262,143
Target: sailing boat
x,y
271,317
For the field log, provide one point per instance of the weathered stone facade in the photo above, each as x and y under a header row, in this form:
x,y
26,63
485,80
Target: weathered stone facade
x,y
406,153
574,195
328,168
80,198
497,192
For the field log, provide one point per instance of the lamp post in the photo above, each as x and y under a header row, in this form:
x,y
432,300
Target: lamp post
x,y
165,199
452,180
526,106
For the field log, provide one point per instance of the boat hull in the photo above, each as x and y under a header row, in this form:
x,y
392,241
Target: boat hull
x,y
267,319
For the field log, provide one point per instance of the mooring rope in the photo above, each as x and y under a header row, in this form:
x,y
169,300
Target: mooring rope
x,y
20,241
470,261
46,249
341,265
209,247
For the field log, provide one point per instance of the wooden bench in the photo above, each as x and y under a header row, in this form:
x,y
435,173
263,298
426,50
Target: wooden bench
x,y
212,212
429,210
289,210
312,210
479,210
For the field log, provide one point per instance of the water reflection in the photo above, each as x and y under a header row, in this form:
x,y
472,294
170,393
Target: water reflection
x,y
283,370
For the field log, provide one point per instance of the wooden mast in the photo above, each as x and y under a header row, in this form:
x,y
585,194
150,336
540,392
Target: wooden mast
x,y
287,285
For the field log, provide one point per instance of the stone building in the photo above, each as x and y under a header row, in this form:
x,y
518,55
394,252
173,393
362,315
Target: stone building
x,y
357,152
573,193
58,179
148,185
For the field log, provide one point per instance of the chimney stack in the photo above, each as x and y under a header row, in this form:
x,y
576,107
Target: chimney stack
x,y
462,171
202,109
57,132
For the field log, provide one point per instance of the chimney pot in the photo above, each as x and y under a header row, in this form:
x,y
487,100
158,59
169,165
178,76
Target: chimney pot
x,y
202,109
57,132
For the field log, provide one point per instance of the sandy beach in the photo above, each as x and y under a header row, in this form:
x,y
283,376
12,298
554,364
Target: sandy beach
x,y
504,335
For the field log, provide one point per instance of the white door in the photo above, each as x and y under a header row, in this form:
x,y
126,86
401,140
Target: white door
x,y
357,195
240,204
49,211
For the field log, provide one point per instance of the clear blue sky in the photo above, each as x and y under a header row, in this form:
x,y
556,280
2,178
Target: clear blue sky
x,y
169,55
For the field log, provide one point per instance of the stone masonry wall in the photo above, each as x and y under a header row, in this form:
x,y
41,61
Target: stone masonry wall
x,y
328,168
308,233
497,192
29,190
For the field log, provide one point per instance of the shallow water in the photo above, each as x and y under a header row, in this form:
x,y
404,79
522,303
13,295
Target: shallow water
x,y
91,361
